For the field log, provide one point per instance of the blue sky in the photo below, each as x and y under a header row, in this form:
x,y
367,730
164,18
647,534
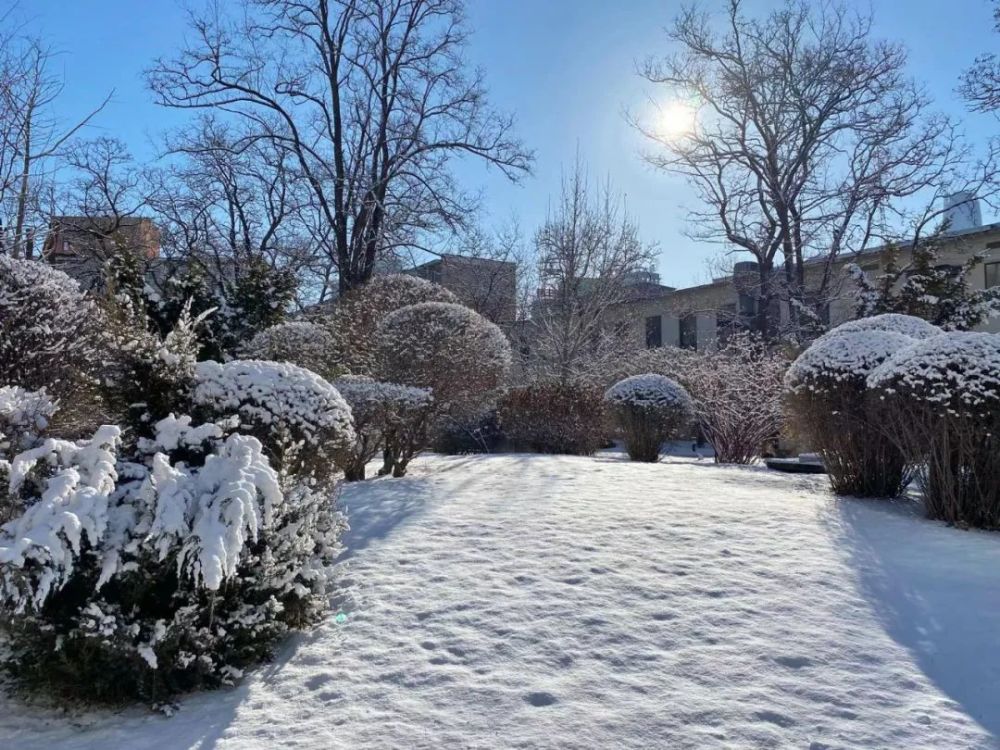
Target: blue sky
x,y
566,68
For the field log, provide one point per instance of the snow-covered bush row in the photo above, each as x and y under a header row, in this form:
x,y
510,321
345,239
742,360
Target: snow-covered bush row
x,y
555,417
387,417
650,409
355,317
301,343
480,433
302,421
941,401
831,409
905,325
51,334
456,352
174,567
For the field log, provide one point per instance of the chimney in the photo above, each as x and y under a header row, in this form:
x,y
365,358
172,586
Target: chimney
x,y
962,212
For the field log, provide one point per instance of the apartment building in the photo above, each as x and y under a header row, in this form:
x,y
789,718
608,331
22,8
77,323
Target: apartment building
x,y
697,317
487,286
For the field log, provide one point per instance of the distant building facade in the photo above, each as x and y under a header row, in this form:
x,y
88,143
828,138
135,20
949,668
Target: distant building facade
x,y
80,245
699,317
487,286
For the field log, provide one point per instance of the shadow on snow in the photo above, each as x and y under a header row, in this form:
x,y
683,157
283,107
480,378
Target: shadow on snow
x,y
936,591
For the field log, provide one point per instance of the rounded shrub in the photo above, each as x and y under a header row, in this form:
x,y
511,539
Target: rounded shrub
x,y
388,418
456,352
301,343
942,398
354,318
302,421
830,407
139,575
649,409
905,325
554,417
52,337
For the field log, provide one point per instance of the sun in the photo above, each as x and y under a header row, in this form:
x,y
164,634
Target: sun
x,y
676,119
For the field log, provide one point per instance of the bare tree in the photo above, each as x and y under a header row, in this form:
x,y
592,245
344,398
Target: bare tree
x,y
980,84
588,251
227,205
370,97
811,143
31,137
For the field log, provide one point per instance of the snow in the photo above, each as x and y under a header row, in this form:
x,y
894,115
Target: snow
x,y
649,391
48,536
905,325
847,357
956,369
24,415
525,601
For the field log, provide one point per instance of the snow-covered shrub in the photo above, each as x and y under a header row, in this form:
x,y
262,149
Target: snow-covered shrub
x,y
51,336
456,352
943,405
478,434
149,376
554,417
355,317
305,344
302,421
24,415
735,390
905,325
410,413
171,568
382,413
830,407
649,409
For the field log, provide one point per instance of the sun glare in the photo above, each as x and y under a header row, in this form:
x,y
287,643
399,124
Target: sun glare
x,y
676,119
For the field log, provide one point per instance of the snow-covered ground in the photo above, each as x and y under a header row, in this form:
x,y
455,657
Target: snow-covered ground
x,y
520,601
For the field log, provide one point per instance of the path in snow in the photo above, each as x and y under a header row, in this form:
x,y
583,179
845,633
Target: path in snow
x,y
557,602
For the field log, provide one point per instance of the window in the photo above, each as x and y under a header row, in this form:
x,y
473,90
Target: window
x,y
992,274
654,331
949,269
689,332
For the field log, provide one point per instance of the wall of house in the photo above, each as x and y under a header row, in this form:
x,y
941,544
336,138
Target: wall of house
x,y
488,287
707,301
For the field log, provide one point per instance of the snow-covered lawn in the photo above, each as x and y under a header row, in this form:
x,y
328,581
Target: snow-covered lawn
x,y
536,602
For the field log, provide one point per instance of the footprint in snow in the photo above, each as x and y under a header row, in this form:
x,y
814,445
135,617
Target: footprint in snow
x,y
793,662
538,700
315,683
773,717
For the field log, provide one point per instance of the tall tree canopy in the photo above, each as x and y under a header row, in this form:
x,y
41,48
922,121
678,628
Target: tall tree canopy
x,y
371,98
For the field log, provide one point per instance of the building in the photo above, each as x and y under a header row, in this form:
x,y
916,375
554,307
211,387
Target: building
x,y
80,245
487,286
698,317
